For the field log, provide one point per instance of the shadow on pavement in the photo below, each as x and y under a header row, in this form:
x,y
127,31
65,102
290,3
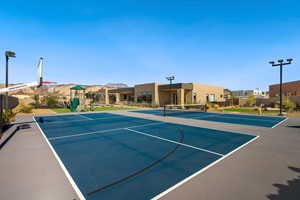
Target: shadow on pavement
x,y
289,191
28,122
293,126
23,126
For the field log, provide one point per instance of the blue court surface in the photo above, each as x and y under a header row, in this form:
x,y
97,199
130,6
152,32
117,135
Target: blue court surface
x,y
250,120
116,157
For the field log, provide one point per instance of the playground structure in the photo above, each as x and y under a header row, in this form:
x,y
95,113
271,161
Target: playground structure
x,y
77,98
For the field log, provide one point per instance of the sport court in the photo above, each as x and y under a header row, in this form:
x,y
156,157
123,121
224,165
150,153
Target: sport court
x,y
110,156
250,120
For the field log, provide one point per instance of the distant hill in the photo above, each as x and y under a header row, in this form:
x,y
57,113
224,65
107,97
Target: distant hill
x,y
62,89
116,85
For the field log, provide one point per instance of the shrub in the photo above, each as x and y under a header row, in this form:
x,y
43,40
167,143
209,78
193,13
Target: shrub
x,y
251,100
288,105
26,109
36,99
8,115
208,106
51,101
216,106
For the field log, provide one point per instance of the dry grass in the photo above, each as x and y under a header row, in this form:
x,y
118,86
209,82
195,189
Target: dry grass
x,y
42,111
39,112
294,114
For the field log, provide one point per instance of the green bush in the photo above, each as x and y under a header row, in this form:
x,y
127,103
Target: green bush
x,y
251,100
208,106
51,101
8,115
36,99
288,105
26,109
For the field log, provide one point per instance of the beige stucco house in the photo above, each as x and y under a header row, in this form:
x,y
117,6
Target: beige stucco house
x,y
156,94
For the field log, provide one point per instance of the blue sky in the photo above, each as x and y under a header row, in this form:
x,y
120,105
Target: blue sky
x,y
225,43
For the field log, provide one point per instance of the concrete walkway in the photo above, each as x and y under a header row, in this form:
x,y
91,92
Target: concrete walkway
x,y
29,169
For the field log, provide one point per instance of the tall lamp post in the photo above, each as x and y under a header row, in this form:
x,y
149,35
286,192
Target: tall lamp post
x,y
170,79
280,63
8,54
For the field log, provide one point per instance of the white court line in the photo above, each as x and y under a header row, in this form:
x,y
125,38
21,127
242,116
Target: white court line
x,y
85,117
75,187
200,171
267,120
204,117
250,115
186,145
103,131
222,115
173,187
78,120
280,122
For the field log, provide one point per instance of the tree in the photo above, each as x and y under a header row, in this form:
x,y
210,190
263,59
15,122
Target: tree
x,y
232,98
51,101
251,100
288,105
36,99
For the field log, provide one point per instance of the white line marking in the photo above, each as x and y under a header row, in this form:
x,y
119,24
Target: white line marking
x,y
221,115
77,190
78,120
211,128
280,122
241,114
102,131
85,117
226,117
200,171
186,145
204,116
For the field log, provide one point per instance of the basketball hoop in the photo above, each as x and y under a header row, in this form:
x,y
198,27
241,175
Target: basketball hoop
x,y
48,82
38,83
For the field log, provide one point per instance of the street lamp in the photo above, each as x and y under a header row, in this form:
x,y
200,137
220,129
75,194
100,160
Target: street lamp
x,y
280,63
8,54
170,78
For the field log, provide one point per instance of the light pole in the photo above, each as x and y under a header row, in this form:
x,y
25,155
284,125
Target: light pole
x,y
8,54
280,63
170,78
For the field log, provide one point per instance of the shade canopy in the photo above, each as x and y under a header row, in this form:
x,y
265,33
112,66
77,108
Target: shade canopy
x,y
77,87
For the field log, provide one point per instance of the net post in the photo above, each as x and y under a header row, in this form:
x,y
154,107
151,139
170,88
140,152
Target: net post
x,y
165,114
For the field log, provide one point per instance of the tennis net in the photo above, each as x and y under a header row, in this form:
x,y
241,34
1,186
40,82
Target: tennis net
x,y
173,110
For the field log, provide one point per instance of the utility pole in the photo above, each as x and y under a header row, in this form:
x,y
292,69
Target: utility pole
x,y
280,63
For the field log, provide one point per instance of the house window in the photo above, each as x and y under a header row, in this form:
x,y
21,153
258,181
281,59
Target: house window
x,y
211,98
144,99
